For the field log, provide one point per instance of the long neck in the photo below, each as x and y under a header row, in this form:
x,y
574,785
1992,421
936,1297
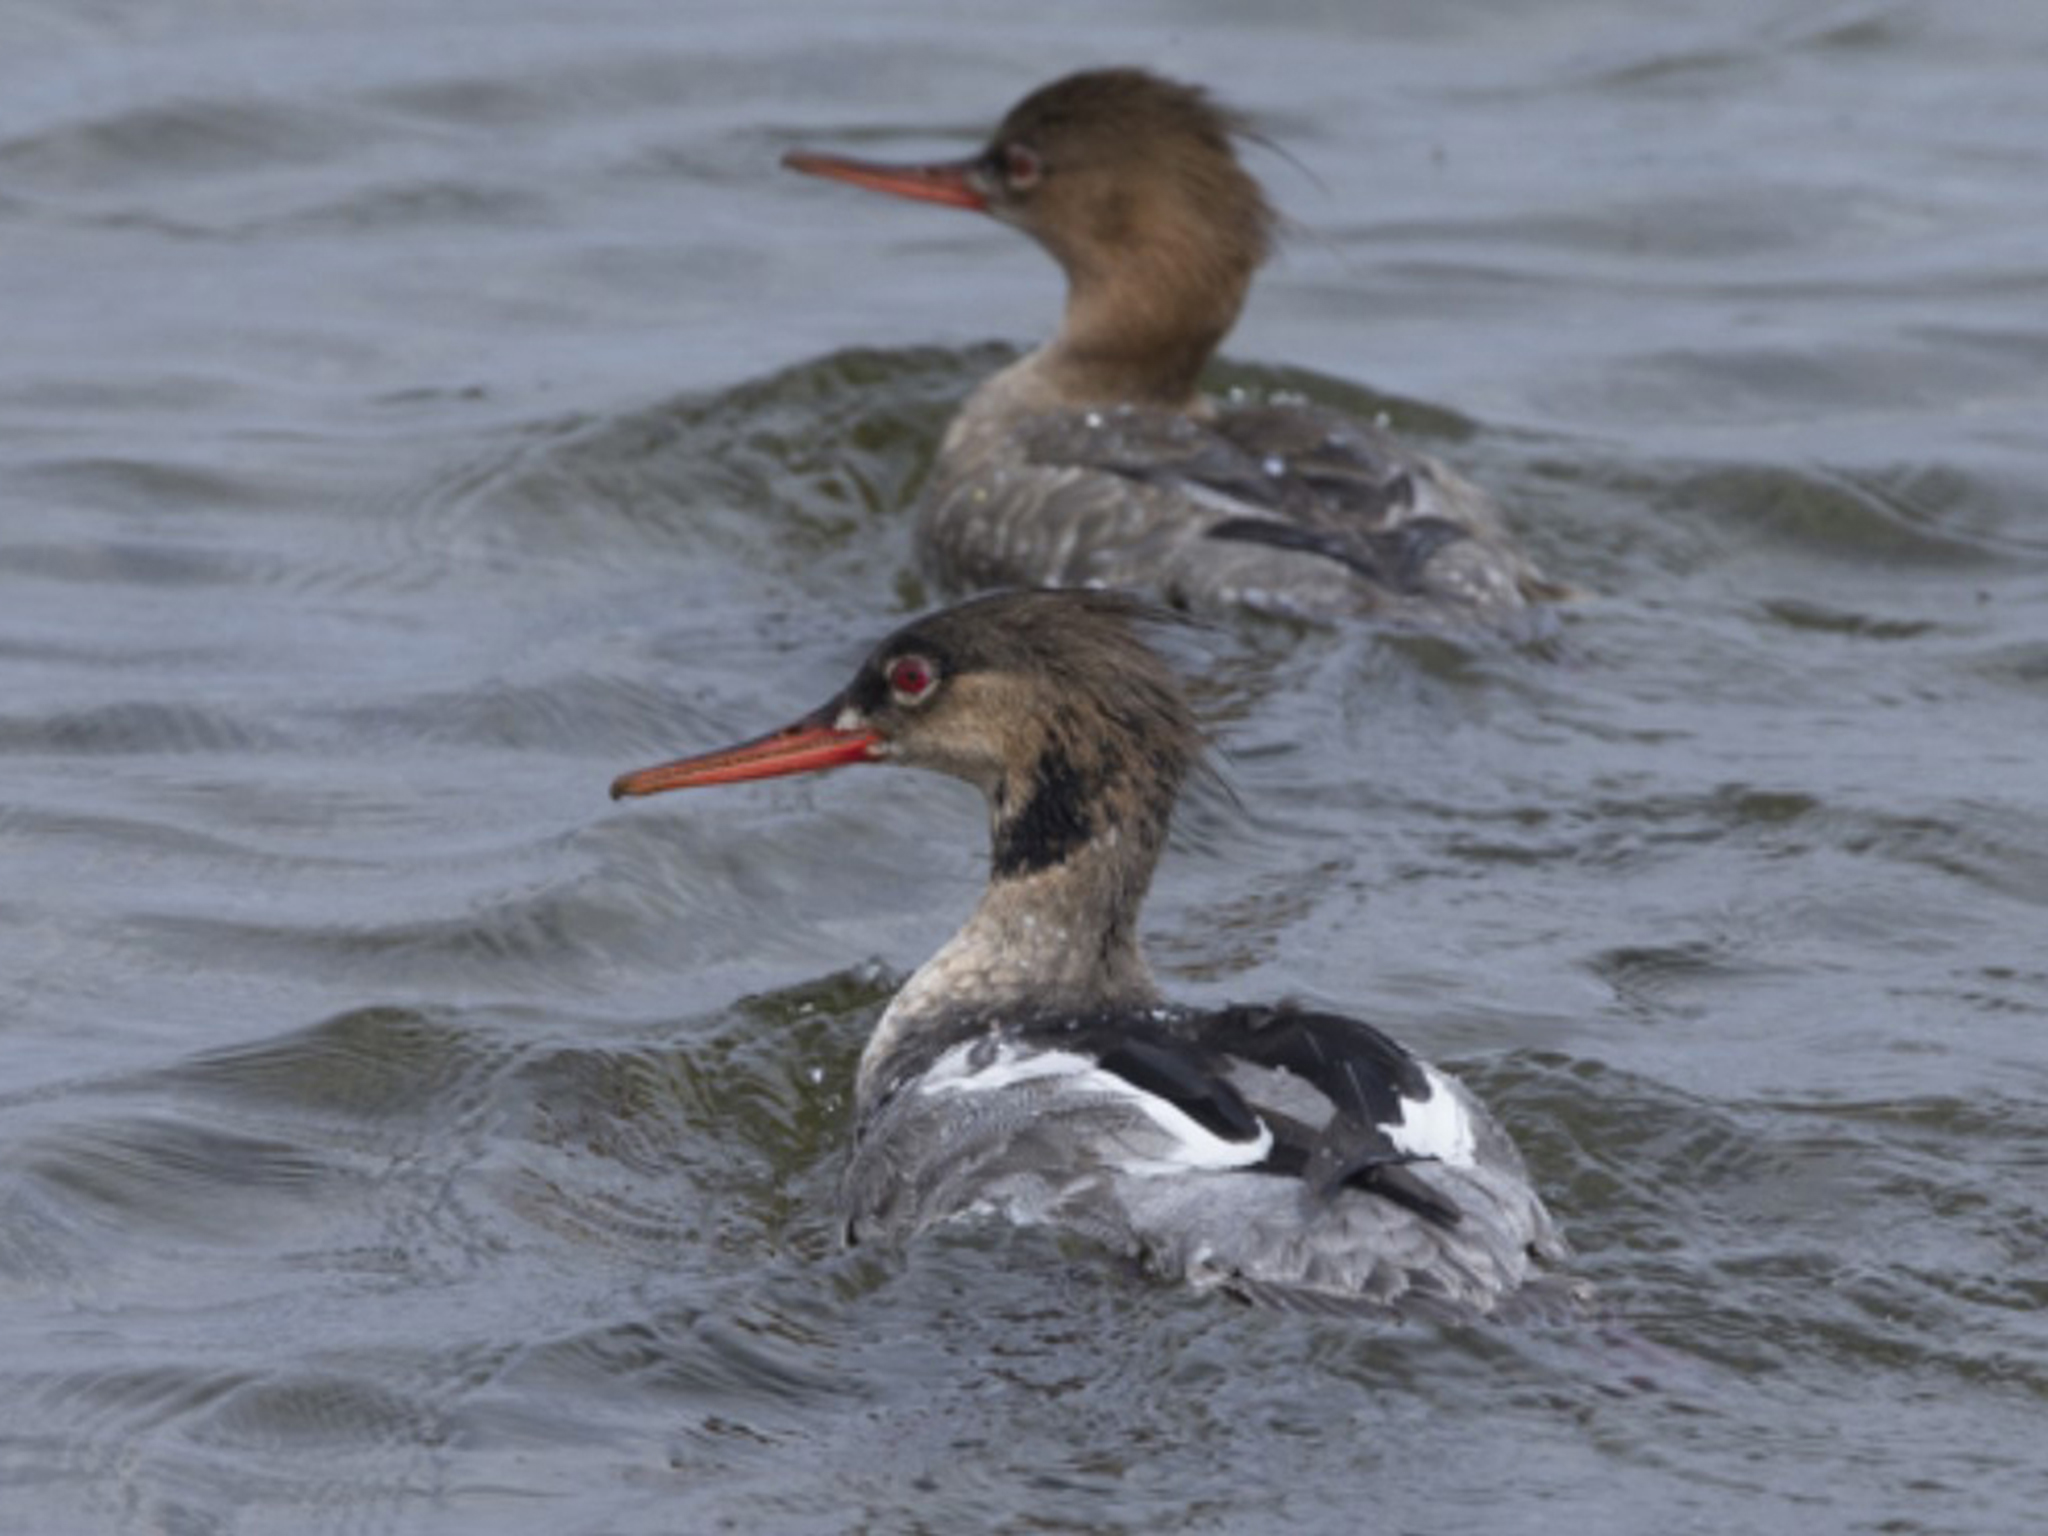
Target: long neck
x,y
1143,320
1056,928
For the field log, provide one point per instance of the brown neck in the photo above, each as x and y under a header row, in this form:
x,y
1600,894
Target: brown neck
x,y
1139,329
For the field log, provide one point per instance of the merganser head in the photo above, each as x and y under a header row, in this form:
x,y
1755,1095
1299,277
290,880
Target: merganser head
x,y
1048,702
1132,182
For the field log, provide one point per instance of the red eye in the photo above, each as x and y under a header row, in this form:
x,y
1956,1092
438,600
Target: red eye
x,y
910,678
1021,168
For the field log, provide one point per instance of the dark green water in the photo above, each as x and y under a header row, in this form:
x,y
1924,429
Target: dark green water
x,y
406,424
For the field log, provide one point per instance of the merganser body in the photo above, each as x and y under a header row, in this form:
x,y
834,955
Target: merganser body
x,y
1031,1067
1095,461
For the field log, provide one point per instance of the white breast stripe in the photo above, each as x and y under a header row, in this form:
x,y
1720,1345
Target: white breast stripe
x,y
1195,1145
1436,1127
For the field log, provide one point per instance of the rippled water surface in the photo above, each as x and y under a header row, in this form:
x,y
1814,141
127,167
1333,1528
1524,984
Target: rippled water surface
x,y
412,416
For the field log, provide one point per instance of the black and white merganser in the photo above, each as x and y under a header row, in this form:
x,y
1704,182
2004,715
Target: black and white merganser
x,y
1031,1068
1095,461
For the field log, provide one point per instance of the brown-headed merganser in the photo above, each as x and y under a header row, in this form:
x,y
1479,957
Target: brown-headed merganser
x,y
1095,461
1031,1067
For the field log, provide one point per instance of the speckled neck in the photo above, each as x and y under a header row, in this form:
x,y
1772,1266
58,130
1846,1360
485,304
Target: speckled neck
x,y
1056,928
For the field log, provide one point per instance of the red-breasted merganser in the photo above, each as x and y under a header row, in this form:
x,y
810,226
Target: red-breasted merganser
x,y
1095,461
1031,1067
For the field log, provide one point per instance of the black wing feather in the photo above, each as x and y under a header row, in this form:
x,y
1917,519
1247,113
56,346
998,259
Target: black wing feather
x,y
1364,1072
1388,1176
1185,1080
1184,1059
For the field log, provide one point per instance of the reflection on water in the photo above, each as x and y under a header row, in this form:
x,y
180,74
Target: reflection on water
x,y
409,426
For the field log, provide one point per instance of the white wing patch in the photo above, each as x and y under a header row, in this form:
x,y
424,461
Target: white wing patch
x,y
1436,1127
975,1068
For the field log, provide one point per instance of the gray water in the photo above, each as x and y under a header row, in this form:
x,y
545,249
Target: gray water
x,y
412,416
